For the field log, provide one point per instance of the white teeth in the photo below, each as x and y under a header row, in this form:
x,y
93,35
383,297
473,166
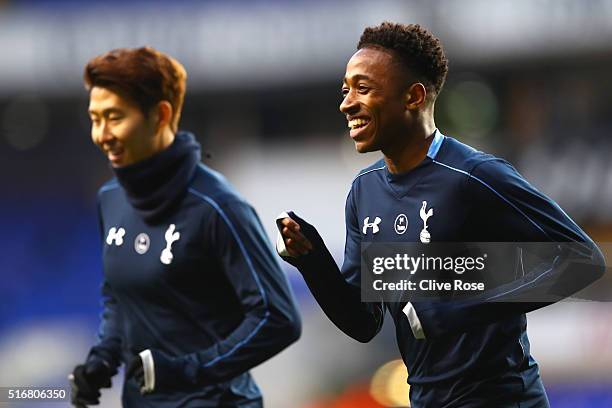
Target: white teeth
x,y
357,123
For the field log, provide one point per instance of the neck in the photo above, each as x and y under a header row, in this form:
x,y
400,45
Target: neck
x,y
165,139
412,149
155,184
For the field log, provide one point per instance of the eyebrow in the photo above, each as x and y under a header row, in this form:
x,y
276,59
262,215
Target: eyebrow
x,y
357,77
105,112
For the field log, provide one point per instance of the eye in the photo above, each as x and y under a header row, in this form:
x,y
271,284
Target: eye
x,y
344,91
362,89
115,118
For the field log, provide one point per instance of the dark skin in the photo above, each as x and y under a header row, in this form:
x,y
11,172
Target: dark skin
x,y
386,110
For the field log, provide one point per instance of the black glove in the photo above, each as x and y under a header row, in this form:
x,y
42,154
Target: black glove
x,y
319,248
165,373
86,381
135,371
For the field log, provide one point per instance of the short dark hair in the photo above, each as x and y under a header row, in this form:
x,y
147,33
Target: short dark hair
x,y
416,47
144,75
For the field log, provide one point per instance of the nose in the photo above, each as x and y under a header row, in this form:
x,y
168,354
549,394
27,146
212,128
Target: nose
x,y
101,133
349,104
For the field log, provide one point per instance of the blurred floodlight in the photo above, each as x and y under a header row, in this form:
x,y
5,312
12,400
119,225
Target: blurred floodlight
x,y
389,386
24,122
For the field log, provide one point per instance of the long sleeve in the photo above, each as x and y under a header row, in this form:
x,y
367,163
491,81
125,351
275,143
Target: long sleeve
x,y
271,321
109,338
511,210
338,292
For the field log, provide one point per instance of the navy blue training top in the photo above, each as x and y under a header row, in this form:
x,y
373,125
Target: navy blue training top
x,y
200,284
471,197
465,196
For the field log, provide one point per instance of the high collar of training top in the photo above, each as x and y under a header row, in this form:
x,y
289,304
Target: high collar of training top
x,y
155,184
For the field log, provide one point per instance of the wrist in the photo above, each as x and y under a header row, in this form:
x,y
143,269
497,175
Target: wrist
x,y
163,372
97,355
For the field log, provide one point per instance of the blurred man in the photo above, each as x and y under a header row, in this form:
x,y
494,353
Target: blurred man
x,y
429,187
193,294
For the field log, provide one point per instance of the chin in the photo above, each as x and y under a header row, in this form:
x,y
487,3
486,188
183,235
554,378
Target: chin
x,y
117,164
365,147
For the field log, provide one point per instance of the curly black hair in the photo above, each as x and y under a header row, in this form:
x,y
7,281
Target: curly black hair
x,y
417,48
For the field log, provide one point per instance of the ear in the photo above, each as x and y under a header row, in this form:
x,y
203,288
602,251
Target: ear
x,y
416,96
164,114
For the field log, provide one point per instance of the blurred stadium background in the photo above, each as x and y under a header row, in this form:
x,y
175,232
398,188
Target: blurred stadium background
x,y
529,81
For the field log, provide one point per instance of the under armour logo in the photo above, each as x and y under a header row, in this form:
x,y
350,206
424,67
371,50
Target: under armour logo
x,y
425,236
115,235
171,237
374,225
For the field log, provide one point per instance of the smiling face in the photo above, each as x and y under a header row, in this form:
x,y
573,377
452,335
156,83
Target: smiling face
x,y
120,129
374,101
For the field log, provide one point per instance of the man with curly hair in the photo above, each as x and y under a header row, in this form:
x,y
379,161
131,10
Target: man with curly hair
x,y
473,353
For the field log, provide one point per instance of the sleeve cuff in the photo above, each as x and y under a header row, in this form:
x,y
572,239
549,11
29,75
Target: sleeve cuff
x,y
149,371
413,319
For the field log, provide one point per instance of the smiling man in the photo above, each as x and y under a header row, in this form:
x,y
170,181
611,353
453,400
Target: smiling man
x,y
431,188
130,140
193,294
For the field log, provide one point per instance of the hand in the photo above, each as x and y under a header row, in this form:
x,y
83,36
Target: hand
x,y
154,370
86,381
295,242
136,371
